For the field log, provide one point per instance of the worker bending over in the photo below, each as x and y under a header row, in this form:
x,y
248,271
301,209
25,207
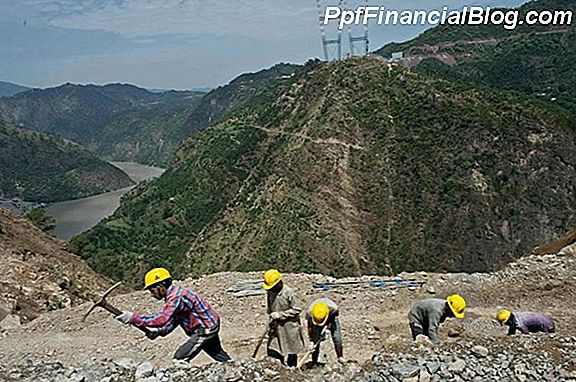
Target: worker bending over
x,y
525,322
426,315
322,315
182,308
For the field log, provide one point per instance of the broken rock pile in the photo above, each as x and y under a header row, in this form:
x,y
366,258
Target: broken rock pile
x,y
128,370
526,358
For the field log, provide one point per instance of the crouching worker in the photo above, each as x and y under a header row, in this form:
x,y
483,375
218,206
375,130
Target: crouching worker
x,y
322,315
426,315
525,322
182,307
285,339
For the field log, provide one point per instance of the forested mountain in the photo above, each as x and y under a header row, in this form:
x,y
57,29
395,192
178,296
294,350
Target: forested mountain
x,y
43,168
8,89
536,60
126,123
117,121
352,167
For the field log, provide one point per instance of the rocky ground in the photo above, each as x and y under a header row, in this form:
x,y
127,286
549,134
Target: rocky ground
x,y
58,346
38,273
18,206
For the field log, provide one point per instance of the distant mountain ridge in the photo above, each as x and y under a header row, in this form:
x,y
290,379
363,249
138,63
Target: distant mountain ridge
x,y
103,118
43,168
127,123
8,89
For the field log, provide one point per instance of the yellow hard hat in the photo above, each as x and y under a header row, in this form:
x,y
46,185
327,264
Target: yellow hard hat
x,y
457,305
155,276
271,278
503,316
320,313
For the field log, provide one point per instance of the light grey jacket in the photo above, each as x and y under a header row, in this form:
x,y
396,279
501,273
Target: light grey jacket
x,y
286,336
428,314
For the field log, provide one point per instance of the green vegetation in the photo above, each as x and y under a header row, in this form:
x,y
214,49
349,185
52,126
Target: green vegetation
x,y
118,122
535,60
41,219
38,167
349,168
126,123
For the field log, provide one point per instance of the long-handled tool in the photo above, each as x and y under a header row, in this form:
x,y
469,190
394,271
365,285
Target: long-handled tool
x,y
102,303
260,340
310,351
303,359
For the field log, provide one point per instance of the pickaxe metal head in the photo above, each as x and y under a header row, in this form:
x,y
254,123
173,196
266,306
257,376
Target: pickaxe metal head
x,y
101,302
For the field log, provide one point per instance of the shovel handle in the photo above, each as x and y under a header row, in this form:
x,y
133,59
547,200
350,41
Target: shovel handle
x,y
303,359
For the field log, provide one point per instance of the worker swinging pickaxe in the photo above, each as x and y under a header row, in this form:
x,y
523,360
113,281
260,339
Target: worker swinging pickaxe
x,y
102,303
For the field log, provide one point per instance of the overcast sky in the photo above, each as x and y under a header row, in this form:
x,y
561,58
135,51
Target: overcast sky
x,y
171,43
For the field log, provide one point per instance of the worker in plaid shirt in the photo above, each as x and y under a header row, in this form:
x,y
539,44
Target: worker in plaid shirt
x,y
185,308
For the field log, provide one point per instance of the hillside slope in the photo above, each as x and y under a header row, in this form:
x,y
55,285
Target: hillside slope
x,y
351,168
38,274
224,99
126,123
43,168
8,89
536,60
122,122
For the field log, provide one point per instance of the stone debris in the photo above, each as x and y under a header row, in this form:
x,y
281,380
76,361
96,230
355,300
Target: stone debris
x,y
57,346
237,370
414,363
460,362
480,351
143,371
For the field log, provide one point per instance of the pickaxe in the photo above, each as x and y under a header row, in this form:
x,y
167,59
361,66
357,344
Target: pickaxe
x,y
101,302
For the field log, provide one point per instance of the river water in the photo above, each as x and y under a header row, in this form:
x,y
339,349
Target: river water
x,y
76,216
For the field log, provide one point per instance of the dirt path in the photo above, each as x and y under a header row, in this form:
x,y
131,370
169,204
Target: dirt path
x,y
412,59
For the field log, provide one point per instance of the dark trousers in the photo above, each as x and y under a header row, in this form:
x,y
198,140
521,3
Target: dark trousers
x,y
334,324
416,331
291,359
207,340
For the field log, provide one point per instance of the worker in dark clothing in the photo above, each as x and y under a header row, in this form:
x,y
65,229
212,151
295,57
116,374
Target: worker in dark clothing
x,y
426,315
525,322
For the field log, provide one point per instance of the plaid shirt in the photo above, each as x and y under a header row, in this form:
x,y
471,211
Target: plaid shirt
x,y
183,307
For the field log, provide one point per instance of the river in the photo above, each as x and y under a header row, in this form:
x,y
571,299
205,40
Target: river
x,y
78,215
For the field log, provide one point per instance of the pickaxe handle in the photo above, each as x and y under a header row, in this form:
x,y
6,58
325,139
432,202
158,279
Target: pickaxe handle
x,y
260,342
115,311
104,304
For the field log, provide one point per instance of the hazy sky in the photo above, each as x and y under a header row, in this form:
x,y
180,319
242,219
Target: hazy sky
x,y
170,43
